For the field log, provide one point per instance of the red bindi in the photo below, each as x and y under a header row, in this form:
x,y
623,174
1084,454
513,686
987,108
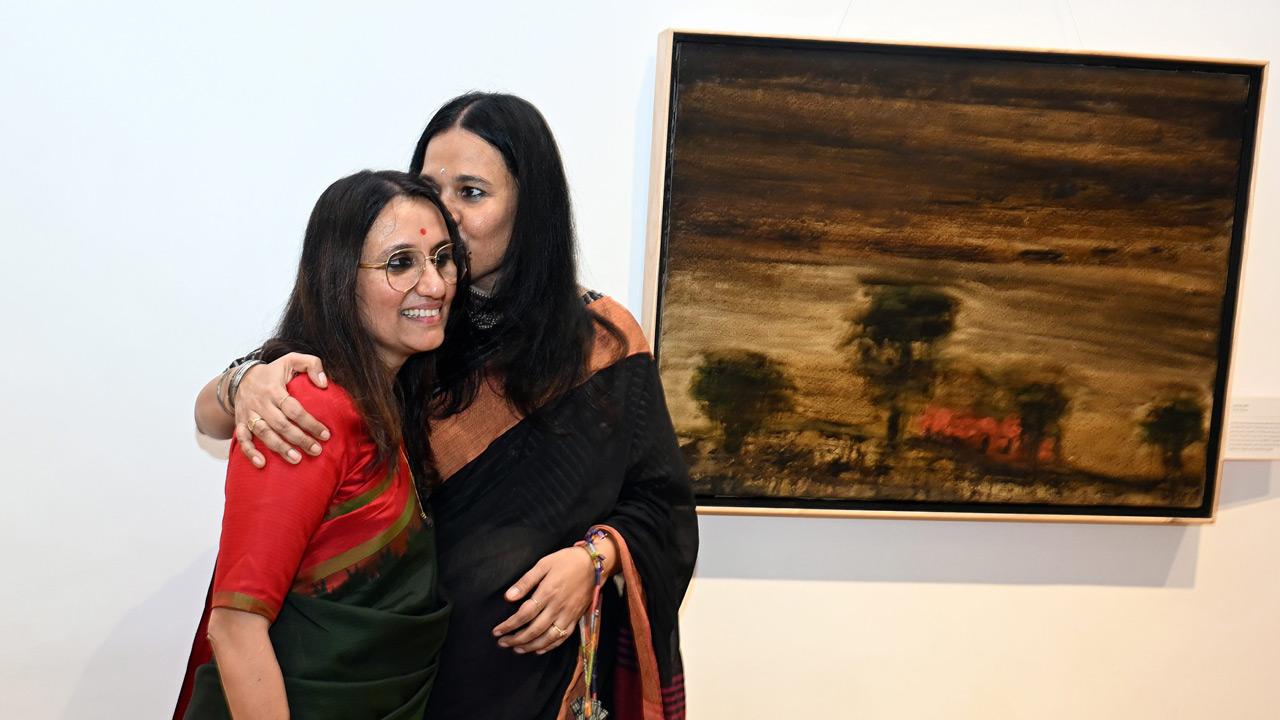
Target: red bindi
x,y
422,231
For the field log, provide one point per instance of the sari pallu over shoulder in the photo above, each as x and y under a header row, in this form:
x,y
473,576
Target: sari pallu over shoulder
x,y
636,685
517,488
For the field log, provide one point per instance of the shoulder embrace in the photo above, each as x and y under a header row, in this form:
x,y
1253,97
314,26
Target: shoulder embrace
x,y
331,405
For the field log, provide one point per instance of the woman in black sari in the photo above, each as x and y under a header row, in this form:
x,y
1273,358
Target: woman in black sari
x,y
550,428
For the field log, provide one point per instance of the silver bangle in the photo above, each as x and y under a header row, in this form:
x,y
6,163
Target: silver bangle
x,y
234,387
220,391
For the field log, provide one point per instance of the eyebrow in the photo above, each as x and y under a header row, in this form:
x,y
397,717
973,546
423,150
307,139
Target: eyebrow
x,y
389,251
471,179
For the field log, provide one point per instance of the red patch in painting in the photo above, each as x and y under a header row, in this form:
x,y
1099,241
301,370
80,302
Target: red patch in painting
x,y
998,438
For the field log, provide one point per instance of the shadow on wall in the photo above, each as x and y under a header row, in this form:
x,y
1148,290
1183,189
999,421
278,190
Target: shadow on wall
x,y
967,551
1245,482
116,682
217,449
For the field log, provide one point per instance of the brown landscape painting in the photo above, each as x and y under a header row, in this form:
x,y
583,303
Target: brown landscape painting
x,y
936,279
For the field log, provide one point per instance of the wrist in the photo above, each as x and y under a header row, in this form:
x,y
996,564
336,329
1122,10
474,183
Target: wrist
x,y
601,551
233,387
609,550
591,559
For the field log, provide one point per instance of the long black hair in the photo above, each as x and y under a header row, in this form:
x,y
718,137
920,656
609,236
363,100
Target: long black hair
x,y
544,332
323,316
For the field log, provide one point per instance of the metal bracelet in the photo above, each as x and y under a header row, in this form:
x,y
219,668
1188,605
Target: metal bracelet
x,y
234,388
220,391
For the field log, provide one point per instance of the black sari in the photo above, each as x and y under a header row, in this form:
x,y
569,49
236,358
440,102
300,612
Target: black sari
x,y
517,489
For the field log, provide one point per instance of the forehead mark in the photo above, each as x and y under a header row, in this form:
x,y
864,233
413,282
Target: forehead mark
x,y
422,231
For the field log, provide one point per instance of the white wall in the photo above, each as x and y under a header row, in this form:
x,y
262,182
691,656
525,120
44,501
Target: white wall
x,y
159,161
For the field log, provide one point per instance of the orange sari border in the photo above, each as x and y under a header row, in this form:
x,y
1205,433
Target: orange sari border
x,y
646,658
460,439
602,355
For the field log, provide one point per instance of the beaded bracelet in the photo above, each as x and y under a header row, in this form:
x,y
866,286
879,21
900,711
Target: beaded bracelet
x,y
589,630
597,558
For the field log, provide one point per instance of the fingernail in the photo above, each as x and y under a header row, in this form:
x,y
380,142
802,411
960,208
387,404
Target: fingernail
x,y
324,434
294,456
323,380
497,632
519,651
259,462
315,449
513,591
503,643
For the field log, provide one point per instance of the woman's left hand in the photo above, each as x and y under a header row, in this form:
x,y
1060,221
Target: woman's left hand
x,y
557,593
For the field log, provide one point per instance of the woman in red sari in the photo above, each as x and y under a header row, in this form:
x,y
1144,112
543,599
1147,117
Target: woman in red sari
x,y
324,602
549,428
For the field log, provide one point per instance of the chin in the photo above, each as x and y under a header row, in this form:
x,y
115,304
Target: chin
x,y
427,344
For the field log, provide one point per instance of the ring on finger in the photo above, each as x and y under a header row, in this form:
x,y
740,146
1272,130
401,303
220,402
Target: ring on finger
x,y
253,425
280,402
536,602
559,632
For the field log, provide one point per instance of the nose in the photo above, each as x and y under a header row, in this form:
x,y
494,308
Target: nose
x,y
430,284
454,206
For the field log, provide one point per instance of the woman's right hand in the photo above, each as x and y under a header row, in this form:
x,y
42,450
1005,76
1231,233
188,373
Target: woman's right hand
x,y
265,409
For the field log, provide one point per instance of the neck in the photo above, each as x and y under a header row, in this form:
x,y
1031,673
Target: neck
x,y
486,283
392,362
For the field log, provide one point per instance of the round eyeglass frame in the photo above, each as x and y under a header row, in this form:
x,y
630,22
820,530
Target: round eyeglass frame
x,y
385,266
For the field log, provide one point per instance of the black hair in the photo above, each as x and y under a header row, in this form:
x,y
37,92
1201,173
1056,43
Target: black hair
x,y
323,317
544,333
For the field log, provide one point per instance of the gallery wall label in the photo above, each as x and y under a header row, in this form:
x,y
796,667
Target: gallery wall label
x,y
1253,429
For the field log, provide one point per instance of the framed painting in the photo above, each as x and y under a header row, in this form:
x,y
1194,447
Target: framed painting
x,y
894,279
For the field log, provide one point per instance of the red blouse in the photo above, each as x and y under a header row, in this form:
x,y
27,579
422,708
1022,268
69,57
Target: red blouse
x,y
307,528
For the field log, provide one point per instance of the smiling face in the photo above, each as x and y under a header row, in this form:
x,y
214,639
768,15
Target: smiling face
x,y
404,323
479,192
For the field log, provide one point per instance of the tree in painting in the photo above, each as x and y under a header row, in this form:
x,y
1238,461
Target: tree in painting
x,y
1041,407
892,342
1171,424
739,390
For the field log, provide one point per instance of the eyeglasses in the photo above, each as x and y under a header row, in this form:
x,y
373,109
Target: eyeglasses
x,y
405,267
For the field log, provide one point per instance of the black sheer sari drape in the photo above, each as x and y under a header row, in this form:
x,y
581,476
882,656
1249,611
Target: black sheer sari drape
x,y
517,489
